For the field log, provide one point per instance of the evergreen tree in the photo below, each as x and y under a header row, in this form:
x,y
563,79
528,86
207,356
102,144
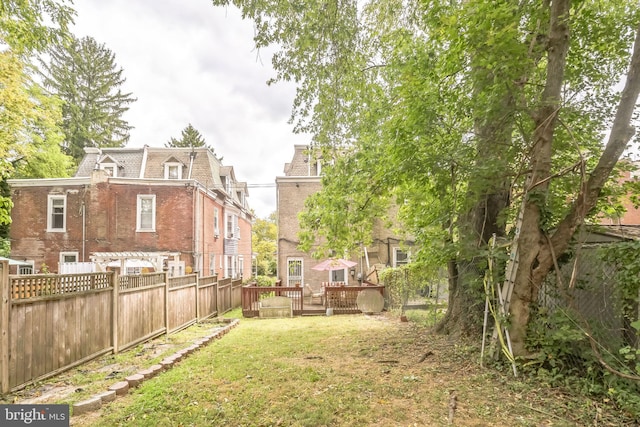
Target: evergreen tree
x,y
85,76
190,137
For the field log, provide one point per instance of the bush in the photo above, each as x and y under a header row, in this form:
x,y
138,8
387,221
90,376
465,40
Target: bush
x,y
564,358
264,280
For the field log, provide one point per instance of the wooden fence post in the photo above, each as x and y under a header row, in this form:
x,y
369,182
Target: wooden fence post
x,y
217,297
197,297
5,307
166,302
114,315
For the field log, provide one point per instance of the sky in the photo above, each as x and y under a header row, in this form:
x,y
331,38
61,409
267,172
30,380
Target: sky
x,y
189,62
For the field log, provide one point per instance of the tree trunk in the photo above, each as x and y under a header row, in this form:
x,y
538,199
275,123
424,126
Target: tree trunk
x,y
493,128
537,250
465,300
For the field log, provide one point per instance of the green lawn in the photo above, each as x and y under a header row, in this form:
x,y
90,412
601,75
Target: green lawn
x,y
342,371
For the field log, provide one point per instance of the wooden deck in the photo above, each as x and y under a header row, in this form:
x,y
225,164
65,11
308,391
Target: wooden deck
x,y
341,299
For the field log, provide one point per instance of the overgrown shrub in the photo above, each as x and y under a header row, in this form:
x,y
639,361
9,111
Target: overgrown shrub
x,y
565,354
264,280
405,282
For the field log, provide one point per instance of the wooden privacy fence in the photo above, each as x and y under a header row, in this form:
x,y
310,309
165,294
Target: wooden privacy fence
x,y
50,323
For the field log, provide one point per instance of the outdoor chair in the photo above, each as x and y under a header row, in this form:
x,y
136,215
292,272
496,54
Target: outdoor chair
x,y
314,293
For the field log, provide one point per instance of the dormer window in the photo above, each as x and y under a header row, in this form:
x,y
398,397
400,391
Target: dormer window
x,y
110,168
173,171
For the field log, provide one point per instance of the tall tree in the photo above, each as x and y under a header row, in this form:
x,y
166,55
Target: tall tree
x,y
190,137
264,241
32,26
446,108
539,247
83,73
29,133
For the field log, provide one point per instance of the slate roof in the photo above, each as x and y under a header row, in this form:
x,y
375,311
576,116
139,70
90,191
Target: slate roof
x,y
129,161
199,164
299,165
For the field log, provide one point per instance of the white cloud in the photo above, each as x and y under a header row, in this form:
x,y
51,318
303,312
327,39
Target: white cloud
x,y
192,62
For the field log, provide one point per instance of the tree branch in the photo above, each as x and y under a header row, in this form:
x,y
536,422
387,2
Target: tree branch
x,y
621,133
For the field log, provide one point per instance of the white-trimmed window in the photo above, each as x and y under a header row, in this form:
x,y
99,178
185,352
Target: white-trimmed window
x,y
110,168
216,222
232,231
176,268
56,213
400,257
146,212
68,257
173,171
232,266
27,269
338,276
240,271
212,264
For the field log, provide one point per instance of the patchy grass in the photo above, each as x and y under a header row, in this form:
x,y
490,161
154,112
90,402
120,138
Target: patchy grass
x,y
97,375
344,371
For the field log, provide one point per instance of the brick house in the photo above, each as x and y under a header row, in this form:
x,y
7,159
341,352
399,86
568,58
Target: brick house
x,y
303,178
163,208
631,216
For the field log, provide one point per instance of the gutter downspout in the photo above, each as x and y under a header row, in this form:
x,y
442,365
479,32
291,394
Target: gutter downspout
x,y
84,230
389,264
143,166
196,214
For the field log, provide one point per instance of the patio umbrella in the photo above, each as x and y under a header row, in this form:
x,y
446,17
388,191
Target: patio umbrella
x,y
334,264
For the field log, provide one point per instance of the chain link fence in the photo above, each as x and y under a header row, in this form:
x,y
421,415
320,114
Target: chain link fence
x,y
581,322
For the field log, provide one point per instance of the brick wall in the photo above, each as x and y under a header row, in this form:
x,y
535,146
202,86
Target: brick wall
x,y
291,197
110,222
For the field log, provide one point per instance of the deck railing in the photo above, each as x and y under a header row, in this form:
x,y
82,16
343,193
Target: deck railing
x,y
252,295
341,299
